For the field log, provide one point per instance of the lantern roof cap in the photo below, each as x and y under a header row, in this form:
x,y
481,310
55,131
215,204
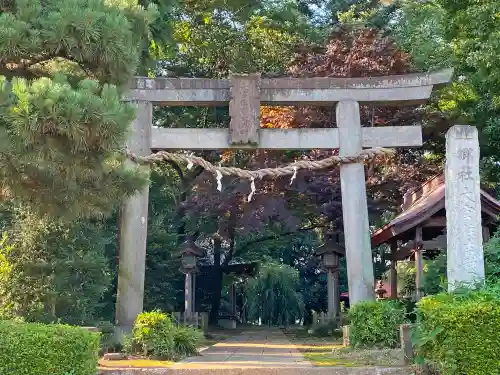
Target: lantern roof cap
x,y
330,246
189,247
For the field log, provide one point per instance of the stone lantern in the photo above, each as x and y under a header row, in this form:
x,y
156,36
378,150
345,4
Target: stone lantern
x,y
189,261
190,253
330,253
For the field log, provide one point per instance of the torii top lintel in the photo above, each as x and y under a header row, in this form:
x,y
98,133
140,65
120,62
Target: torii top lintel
x,y
244,93
406,89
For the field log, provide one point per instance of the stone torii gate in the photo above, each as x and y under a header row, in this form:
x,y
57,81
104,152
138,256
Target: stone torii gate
x,y
245,94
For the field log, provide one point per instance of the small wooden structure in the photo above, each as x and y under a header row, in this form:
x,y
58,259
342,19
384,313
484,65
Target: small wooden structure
x,y
241,270
421,226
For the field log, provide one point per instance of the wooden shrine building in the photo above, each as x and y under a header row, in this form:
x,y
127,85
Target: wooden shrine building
x,y
421,227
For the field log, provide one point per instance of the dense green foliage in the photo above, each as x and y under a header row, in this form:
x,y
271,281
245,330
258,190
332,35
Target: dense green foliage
x,y
492,259
461,34
38,349
51,271
435,278
63,67
156,334
375,324
272,296
459,332
186,341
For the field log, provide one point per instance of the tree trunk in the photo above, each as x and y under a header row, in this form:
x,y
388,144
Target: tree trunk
x,y
216,296
217,283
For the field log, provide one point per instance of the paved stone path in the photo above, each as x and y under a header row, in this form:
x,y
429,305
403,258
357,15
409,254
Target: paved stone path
x,y
251,349
254,352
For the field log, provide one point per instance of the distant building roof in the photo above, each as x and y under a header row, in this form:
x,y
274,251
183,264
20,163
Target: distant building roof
x,y
421,204
241,269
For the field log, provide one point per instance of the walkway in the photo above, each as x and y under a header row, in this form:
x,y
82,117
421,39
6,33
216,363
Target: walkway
x,y
254,352
251,349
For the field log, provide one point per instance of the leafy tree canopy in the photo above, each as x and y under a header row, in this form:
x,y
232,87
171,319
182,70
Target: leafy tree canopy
x,y
51,271
272,296
63,66
462,34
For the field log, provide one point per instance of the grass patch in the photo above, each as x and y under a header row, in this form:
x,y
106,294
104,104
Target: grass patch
x,y
329,351
322,359
348,357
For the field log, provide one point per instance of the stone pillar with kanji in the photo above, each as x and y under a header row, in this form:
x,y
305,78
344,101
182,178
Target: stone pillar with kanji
x,y
463,208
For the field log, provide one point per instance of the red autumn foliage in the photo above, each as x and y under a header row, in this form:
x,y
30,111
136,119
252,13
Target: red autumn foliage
x,y
314,198
358,53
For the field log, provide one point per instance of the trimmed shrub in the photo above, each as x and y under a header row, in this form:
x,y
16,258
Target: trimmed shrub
x,y
156,334
152,335
375,324
39,349
460,332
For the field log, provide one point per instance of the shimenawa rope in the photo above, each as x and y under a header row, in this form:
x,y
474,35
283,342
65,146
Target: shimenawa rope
x,y
291,169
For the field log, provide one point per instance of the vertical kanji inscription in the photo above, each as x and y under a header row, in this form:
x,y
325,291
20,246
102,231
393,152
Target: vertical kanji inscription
x,y
463,207
244,109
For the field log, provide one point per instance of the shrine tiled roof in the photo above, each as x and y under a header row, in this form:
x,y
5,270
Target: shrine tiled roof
x,y
421,204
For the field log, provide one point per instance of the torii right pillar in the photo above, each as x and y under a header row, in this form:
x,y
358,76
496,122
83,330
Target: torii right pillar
x,y
354,205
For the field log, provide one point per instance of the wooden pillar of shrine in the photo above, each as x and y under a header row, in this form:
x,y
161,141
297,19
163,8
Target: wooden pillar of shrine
x,y
393,272
419,266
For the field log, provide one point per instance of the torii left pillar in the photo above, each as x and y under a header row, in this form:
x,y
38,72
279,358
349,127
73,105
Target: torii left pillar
x,y
133,229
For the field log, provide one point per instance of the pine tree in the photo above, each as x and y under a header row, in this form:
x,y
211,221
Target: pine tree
x,y
64,65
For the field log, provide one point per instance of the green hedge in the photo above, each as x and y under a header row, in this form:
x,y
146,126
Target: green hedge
x,y
460,332
375,324
39,349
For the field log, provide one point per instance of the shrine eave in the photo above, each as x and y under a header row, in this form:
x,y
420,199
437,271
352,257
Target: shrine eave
x,y
421,205
400,89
